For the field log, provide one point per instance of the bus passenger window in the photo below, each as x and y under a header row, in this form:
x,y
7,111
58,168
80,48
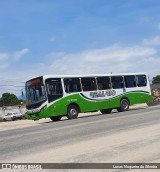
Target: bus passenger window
x,y
130,81
103,83
141,80
72,85
117,82
89,84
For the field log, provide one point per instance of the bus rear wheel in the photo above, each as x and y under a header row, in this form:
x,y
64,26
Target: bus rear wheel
x,y
72,112
106,111
124,105
55,118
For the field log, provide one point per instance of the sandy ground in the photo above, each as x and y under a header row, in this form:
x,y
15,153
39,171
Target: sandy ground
x,y
9,125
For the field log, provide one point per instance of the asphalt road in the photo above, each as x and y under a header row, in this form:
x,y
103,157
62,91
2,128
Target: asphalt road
x,y
131,136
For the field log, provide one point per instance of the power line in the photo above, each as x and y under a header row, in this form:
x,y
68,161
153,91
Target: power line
x,y
2,80
11,81
12,85
11,89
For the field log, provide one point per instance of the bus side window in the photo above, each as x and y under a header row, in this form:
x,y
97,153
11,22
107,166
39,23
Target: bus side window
x,y
72,85
67,85
89,84
130,81
117,82
141,80
103,83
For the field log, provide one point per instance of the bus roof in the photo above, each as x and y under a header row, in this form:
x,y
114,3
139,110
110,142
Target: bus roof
x,y
91,75
87,75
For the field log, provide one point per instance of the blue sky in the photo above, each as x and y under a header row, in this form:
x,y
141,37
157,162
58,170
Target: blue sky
x,y
40,37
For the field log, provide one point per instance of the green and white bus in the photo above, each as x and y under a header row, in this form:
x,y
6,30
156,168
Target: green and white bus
x,y
68,95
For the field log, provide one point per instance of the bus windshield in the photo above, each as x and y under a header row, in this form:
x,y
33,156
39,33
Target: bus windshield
x,y
35,91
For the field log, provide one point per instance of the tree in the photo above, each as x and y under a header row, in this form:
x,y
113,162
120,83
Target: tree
x,y
9,99
156,79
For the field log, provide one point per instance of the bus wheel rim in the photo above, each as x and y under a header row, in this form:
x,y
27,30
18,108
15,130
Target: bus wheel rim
x,y
125,105
73,112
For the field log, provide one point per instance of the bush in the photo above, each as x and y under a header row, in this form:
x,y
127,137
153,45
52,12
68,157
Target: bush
x,y
25,116
156,101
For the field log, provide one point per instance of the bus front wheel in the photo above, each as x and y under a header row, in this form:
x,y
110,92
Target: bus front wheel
x,y
55,118
124,105
72,112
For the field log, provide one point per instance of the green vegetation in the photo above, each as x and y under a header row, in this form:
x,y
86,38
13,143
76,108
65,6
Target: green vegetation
x,y
9,99
156,79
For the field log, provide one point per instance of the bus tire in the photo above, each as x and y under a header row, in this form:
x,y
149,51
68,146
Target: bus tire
x,y
106,111
55,118
124,105
72,112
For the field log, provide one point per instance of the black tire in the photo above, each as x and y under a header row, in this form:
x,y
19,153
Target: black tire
x,y
106,111
55,118
124,105
4,119
72,112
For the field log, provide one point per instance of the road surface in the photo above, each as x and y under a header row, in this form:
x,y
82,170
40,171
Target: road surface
x,y
132,136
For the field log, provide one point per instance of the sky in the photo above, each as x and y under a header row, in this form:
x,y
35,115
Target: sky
x,y
39,37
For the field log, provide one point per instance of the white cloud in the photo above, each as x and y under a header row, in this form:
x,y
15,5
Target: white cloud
x,y
152,41
17,55
3,56
4,66
7,58
115,58
3,60
118,52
